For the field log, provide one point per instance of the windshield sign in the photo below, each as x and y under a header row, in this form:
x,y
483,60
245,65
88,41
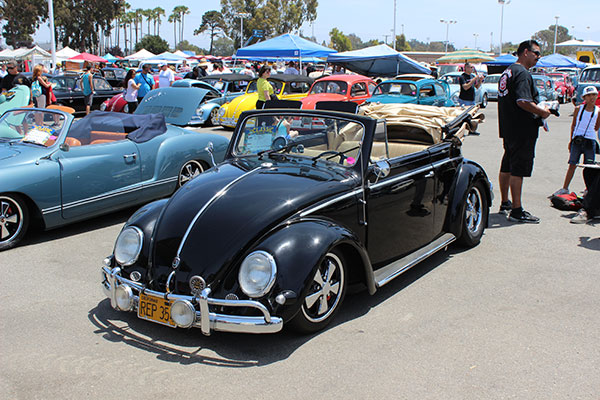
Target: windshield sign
x,y
330,139
40,128
407,89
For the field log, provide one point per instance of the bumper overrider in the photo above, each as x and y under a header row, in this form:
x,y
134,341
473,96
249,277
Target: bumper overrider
x,y
202,317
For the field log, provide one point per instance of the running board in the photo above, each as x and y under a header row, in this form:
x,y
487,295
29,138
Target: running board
x,y
390,271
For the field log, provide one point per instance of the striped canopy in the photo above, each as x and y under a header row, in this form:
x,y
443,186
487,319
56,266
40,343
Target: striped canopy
x,y
464,55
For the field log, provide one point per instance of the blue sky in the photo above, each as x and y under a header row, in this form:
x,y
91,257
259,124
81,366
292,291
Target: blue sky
x,y
372,19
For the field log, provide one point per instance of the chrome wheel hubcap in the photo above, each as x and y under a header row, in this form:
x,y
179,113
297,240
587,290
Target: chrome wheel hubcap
x,y
214,117
326,289
189,171
473,211
11,219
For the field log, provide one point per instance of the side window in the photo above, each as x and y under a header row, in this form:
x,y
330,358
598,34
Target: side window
x,y
439,90
77,85
371,87
380,144
101,84
427,91
359,89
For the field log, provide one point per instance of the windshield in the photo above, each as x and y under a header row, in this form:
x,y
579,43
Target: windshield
x,y
277,85
303,136
590,75
492,79
36,127
337,87
450,79
404,88
62,82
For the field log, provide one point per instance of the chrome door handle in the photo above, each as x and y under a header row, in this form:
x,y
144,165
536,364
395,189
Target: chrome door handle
x,y
430,174
128,156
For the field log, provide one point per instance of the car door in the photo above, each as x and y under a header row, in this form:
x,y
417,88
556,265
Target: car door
x,y
426,95
440,95
359,93
400,205
445,159
98,174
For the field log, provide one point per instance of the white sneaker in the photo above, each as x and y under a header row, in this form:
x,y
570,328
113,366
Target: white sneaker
x,y
560,191
580,218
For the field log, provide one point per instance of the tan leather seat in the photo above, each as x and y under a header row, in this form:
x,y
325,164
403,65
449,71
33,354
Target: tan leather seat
x,y
105,136
72,142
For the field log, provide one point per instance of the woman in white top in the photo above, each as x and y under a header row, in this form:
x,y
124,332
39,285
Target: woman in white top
x,y
584,131
132,90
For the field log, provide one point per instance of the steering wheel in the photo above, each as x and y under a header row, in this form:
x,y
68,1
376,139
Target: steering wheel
x,y
278,143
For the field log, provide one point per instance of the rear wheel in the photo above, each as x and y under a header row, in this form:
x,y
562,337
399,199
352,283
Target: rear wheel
x,y
475,213
14,220
325,295
484,101
190,170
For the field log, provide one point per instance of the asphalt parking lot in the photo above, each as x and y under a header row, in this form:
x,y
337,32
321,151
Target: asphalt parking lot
x,y
513,318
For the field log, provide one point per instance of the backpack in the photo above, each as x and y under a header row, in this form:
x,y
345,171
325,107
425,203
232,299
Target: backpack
x,y
36,89
567,202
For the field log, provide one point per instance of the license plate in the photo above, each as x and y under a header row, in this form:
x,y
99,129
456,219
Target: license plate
x,y
155,309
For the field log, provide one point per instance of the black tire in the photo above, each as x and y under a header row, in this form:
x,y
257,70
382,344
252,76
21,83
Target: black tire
x,y
484,101
14,220
188,171
325,296
474,215
561,100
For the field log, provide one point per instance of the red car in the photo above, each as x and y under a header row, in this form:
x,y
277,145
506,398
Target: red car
x,y
564,86
355,88
118,104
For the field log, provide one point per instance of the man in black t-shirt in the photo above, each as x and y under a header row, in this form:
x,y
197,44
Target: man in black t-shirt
x,y
519,118
13,77
468,83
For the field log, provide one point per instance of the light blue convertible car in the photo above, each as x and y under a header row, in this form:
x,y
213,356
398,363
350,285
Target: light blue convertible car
x,y
54,170
429,92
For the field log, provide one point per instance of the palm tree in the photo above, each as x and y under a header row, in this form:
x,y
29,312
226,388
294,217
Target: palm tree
x,y
173,18
181,11
159,12
138,20
149,14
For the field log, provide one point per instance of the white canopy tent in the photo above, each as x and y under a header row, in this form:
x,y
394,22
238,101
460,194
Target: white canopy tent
x,y
140,55
66,53
579,43
25,54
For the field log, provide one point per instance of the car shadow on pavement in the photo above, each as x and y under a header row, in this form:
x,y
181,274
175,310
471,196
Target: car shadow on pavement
x,y
189,346
37,235
497,220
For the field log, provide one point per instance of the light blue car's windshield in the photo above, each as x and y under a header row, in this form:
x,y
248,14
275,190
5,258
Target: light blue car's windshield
x,y
31,126
304,136
492,79
591,75
403,88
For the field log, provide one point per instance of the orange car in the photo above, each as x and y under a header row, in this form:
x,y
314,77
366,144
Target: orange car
x,y
355,88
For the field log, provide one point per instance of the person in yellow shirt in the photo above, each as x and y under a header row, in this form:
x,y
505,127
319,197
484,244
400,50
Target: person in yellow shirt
x,y
264,87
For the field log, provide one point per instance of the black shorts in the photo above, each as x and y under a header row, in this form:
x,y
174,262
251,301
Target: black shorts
x,y
518,156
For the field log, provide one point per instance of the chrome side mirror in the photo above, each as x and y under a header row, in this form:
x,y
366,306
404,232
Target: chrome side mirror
x,y
64,147
382,169
210,148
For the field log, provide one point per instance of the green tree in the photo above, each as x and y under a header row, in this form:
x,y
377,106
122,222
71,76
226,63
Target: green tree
x,y
545,38
184,45
223,47
21,19
355,41
339,41
401,43
212,21
152,43
115,51
274,17
182,11
158,14
173,19
78,25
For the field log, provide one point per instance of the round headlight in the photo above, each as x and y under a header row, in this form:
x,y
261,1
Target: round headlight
x,y
126,108
103,106
129,245
257,274
183,313
124,297
221,111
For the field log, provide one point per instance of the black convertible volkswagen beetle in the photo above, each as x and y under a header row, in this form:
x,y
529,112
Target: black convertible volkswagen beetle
x,y
306,203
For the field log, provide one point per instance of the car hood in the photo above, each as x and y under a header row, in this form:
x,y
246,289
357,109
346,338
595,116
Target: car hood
x,y
178,105
229,209
240,104
309,102
19,153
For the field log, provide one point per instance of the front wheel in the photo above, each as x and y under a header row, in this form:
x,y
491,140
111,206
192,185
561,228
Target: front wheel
x,y
189,171
475,213
14,220
325,294
213,120
484,101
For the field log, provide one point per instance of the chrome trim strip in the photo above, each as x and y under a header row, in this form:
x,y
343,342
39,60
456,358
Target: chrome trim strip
x,y
401,177
442,162
330,202
106,196
205,320
220,193
386,274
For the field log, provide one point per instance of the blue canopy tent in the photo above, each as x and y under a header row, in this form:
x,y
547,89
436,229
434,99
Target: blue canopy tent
x,y
166,56
284,47
379,60
110,58
558,60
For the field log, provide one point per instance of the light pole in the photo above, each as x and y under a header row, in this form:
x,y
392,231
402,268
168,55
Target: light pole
x,y
492,41
502,2
443,21
476,35
52,37
555,33
241,16
394,30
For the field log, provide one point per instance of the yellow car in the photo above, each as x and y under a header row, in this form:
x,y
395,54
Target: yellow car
x,y
286,87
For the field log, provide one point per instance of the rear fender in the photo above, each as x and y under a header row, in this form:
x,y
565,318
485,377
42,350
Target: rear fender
x,y
298,249
468,173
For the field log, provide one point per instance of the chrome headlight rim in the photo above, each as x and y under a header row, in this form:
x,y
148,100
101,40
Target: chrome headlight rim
x,y
273,273
132,260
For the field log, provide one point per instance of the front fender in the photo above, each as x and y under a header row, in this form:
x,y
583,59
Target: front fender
x,y
468,173
298,249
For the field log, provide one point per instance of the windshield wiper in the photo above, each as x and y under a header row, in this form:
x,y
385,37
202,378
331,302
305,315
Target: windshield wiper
x,y
269,152
335,153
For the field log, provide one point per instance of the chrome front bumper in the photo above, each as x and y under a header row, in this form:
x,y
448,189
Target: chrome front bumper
x,y
205,320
